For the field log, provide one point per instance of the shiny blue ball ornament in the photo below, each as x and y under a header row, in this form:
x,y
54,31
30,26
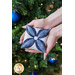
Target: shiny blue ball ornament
x,y
52,60
32,73
15,17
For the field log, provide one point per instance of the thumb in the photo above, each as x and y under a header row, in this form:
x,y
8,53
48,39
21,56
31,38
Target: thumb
x,y
31,23
45,54
50,44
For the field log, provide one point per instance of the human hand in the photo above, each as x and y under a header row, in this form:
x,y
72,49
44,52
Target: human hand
x,y
39,23
49,22
54,35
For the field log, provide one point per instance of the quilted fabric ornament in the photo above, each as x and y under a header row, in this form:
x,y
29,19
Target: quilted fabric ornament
x,y
35,38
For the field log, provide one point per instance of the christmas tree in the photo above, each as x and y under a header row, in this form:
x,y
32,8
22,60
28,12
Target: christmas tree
x,y
29,10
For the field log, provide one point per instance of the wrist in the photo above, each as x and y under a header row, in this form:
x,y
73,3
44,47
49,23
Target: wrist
x,y
57,31
49,22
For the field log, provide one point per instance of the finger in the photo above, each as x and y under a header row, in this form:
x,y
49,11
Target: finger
x,y
22,37
31,23
32,51
50,44
45,54
24,27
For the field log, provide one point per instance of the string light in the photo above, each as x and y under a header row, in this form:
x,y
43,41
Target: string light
x,y
15,27
25,60
35,66
28,66
41,4
56,42
61,44
16,61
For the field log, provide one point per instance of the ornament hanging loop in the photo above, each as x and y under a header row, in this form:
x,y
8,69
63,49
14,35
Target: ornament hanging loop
x,y
19,73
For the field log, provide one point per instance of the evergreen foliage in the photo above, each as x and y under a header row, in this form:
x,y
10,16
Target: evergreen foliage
x,y
32,9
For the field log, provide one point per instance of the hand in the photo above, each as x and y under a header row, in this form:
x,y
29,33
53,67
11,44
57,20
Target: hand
x,y
54,35
39,23
49,22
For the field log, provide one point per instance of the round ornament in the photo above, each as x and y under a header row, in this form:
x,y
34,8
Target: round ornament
x,y
18,68
52,60
15,17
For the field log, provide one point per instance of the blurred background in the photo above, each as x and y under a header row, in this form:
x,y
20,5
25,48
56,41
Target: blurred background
x,y
24,11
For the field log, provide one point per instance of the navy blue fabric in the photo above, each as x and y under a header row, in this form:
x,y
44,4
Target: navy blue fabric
x,y
31,31
43,33
40,45
28,43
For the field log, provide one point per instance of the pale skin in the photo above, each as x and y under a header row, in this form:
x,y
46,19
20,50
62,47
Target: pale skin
x,y
54,22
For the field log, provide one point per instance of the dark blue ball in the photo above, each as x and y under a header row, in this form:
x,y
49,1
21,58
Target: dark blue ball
x,y
32,73
15,17
52,60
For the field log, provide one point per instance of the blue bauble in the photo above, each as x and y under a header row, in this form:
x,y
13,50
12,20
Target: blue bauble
x,y
15,17
32,73
52,60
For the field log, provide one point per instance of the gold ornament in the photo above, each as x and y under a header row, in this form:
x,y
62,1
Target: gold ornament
x,y
18,68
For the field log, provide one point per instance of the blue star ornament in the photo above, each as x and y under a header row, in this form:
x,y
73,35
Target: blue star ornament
x,y
35,38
